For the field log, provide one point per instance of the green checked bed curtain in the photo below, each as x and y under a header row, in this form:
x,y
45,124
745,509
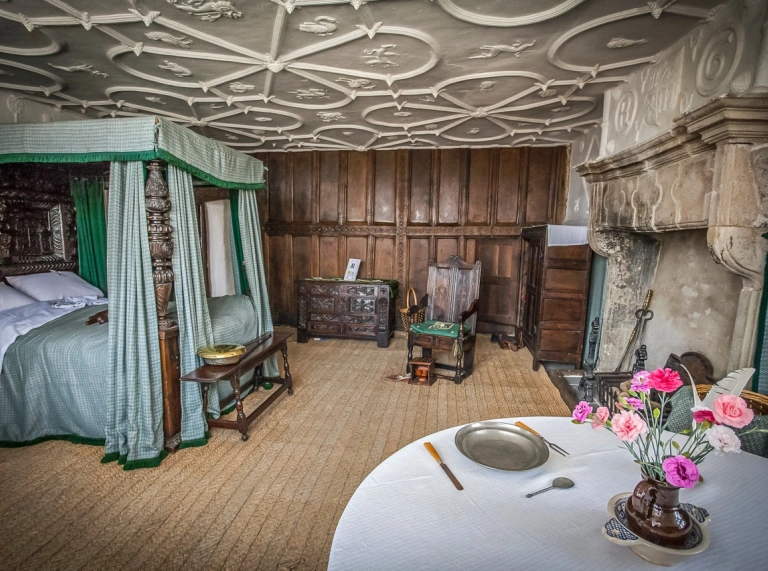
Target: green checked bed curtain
x,y
134,432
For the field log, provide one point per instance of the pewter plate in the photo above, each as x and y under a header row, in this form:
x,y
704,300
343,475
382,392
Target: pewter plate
x,y
501,446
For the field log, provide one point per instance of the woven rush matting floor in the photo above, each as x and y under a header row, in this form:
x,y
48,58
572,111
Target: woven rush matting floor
x,y
270,503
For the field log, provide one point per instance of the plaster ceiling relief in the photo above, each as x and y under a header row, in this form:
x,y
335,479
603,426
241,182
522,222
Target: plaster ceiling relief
x,y
347,74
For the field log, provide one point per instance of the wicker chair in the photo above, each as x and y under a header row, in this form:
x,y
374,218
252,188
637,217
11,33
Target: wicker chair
x,y
755,401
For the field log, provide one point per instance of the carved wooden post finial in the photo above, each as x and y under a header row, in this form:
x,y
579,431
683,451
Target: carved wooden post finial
x,y
158,205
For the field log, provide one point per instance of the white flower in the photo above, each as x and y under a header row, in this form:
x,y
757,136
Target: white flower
x,y
723,439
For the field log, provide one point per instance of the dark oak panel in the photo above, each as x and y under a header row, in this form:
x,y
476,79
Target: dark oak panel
x,y
396,210
302,187
451,183
357,187
357,247
384,261
511,169
279,195
478,206
418,258
421,186
329,257
384,202
329,186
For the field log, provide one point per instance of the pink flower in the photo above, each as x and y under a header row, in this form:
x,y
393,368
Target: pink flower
x,y
681,471
665,380
733,411
600,417
628,426
640,382
723,439
702,414
581,411
634,403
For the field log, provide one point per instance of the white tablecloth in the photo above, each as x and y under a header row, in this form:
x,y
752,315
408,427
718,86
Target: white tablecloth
x,y
406,515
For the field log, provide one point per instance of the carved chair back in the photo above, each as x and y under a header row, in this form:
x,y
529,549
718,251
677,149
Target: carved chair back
x,y
452,286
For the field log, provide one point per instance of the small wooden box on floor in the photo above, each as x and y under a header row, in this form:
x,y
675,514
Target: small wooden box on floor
x,y
422,371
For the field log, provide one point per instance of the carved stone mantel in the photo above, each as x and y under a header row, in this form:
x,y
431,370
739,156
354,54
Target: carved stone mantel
x,y
709,172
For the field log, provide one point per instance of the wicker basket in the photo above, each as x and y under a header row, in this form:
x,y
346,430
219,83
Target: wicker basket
x,y
417,317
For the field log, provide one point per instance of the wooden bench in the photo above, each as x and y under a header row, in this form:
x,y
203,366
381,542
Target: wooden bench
x,y
254,357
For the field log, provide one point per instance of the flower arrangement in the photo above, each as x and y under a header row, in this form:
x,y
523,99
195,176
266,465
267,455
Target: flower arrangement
x,y
641,428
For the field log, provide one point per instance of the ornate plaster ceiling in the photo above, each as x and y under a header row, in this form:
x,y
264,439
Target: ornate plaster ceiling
x,y
341,74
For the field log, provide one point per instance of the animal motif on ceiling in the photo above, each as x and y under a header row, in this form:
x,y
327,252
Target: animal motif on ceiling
x,y
341,74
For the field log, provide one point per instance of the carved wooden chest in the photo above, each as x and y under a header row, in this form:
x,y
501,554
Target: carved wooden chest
x,y
354,310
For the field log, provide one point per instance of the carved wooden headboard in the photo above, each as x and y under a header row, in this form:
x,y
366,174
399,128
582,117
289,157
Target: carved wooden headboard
x,y
37,217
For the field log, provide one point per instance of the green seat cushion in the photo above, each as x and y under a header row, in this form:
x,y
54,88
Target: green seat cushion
x,y
441,328
681,418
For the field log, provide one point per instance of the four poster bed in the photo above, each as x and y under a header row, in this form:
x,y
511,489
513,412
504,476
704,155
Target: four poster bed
x,y
118,383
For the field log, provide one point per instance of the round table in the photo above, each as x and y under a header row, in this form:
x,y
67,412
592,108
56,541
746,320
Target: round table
x,y
407,514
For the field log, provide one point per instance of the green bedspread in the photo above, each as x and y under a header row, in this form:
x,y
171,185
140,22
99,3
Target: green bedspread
x,y
53,382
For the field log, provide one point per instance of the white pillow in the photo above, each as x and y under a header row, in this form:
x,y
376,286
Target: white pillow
x,y
53,285
10,298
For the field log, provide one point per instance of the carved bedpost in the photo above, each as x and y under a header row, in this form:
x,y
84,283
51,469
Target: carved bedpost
x,y
158,205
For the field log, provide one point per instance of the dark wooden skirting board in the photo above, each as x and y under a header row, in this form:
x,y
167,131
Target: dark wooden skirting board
x,y
396,210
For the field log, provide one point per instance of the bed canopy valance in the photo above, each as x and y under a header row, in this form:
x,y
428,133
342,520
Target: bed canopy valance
x,y
134,139
152,250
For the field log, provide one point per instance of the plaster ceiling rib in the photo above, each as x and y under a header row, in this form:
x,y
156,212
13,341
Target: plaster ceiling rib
x,y
517,21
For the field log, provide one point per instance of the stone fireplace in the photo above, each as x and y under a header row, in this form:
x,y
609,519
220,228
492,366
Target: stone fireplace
x,y
683,214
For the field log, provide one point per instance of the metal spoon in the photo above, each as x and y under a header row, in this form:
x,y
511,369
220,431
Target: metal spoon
x,y
556,483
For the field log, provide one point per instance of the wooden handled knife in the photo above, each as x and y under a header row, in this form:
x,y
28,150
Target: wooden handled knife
x,y
436,456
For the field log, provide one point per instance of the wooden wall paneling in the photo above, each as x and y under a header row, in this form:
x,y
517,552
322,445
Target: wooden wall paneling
x,y
301,250
395,210
479,187
329,266
449,187
422,179
493,181
302,186
508,187
446,247
525,160
384,258
357,247
463,185
357,187
434,186
539,187
281,282
328,202
370,256
384,188
343,187
279,191
559,200
403,190
500,284
418,259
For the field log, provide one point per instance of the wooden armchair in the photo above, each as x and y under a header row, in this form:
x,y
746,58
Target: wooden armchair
x,y
451,312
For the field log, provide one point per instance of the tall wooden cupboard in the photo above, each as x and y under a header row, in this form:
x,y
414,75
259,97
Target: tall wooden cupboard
x,y
555,289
